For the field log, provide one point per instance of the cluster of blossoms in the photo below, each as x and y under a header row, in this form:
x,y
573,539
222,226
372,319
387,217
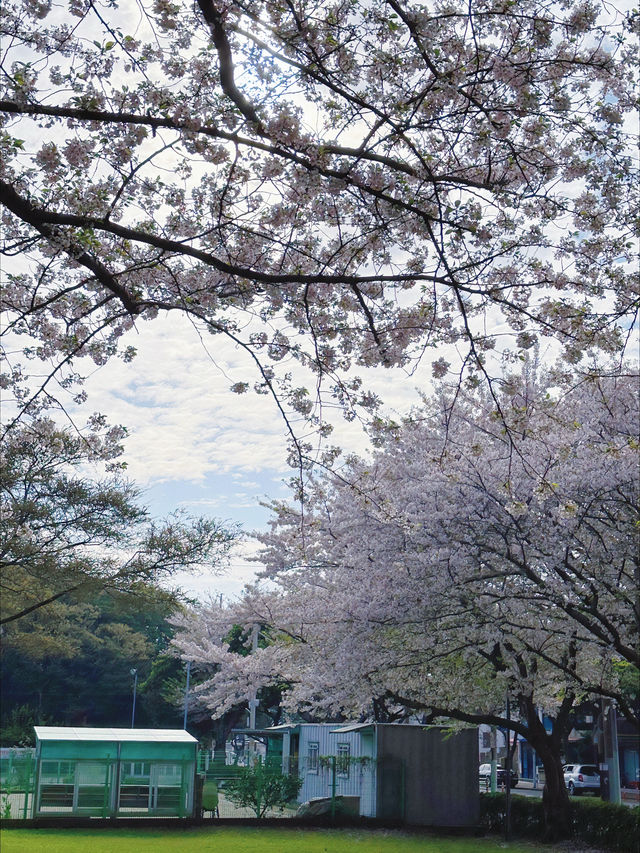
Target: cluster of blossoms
x,y
456,538
479,553
421,180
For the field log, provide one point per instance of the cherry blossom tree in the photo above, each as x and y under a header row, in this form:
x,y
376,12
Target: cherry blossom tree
x,y
337,184
478,555
63,532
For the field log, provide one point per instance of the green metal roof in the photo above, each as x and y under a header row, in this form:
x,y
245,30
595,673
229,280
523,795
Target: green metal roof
x,y
271,730
84,733
354,727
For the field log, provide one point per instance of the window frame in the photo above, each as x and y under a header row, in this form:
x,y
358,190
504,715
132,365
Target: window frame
x,y
343,760
313,757
137,769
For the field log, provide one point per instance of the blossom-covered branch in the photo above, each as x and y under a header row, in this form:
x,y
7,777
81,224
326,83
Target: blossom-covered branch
x,y
478,554
351,184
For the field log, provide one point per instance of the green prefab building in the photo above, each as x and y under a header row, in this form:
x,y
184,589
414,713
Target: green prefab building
x,y
89,772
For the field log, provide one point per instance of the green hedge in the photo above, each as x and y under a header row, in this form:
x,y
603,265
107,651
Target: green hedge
x,y
594,822
527,817
606,824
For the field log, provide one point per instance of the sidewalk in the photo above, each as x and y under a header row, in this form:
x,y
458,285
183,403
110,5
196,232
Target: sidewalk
x,y
528,783
629,795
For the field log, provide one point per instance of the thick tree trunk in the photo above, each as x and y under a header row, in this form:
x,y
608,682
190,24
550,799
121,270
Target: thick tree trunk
x,y
557,807
555,799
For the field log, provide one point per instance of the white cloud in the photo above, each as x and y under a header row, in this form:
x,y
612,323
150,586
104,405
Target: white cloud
x,y
231,582
183,421
195,444
203,503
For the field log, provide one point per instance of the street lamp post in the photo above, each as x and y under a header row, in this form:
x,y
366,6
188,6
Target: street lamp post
x,y
134,673
507,790
186,697
253,699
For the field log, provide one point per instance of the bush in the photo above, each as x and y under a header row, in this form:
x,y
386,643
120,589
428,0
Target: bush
x,y
594,821
527,815
607,825
261,788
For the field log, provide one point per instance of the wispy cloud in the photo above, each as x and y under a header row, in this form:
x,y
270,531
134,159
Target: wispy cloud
x,y
195,444
183,421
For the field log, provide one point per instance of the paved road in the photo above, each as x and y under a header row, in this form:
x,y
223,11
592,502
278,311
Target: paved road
x,y
520,790
526,789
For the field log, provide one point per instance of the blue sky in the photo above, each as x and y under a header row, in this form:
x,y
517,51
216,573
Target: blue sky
x,y
193,444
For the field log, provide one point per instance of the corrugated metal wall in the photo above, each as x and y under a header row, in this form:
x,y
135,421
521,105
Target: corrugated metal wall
x,y
356,779
432,777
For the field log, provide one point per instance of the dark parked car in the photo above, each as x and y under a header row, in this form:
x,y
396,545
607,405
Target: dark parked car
x,y
485,776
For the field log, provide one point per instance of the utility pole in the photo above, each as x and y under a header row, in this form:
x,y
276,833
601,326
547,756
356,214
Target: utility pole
x,y
494,759
186,696
253,699
611,765
614,772
507,828
134,673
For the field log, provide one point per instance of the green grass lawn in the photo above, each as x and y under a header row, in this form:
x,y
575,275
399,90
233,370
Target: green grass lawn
x,y
245,840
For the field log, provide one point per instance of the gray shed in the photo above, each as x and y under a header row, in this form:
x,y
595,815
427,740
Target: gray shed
x,y
420,775
437,770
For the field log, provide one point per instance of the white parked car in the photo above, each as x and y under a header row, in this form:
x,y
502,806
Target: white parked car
x,y
581,777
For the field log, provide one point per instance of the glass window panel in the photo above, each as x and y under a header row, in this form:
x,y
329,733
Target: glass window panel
x,y
91,773
62,772
342,764
169,774
312,758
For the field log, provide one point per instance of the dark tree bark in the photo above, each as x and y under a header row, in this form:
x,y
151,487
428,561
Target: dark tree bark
x,y
555,799
548,745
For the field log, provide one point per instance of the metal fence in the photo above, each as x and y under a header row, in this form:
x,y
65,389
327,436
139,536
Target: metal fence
x,y
219,799
326,785
17,782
